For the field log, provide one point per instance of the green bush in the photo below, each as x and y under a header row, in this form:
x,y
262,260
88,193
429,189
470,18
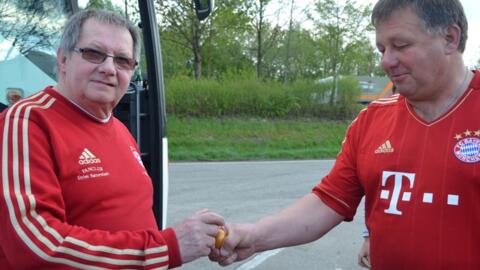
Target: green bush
x,y
348,92
242,95
310,98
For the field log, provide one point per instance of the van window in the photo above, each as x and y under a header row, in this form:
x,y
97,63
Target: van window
x,y
29,35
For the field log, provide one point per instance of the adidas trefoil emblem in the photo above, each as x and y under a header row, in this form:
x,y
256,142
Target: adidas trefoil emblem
x,y
386,147
87,158
90,166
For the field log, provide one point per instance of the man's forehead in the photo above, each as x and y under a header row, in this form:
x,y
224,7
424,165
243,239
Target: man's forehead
x,y
92,30
94,23
399,20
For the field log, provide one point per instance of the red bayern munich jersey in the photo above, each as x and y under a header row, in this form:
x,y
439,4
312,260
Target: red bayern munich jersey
x,y
74,193
421,181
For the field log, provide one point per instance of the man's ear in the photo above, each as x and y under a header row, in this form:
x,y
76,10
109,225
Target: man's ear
x,y
61,60
452,38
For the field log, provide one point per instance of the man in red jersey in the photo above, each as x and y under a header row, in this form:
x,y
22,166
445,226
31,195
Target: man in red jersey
x,y
414,156
74,193
13,96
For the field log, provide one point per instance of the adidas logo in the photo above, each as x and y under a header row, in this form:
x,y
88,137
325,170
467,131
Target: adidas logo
x,y
88,158
386,147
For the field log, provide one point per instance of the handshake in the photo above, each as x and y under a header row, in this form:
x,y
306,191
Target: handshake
x,y
206,234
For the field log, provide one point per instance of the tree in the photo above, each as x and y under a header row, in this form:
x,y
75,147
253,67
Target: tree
x,y
221,32
286,72
179,17
226,51
295,55
28,25
361,59
302,59
100,4
341,33
266,35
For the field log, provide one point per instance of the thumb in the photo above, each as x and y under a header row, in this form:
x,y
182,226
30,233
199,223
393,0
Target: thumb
x,y
204,210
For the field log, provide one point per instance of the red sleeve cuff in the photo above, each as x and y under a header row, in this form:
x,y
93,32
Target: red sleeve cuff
x,y
335,204
174,258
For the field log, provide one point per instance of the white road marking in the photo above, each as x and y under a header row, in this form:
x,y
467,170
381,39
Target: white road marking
x,y
259,259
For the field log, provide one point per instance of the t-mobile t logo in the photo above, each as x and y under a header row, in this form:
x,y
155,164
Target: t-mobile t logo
x,y
398,178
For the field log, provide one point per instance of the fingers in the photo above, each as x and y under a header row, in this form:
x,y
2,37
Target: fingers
x,y
205,233
238,245
216,256
196,234
220,237
209,221
201,211
366,262
359,259
364,254
224,254
238,255
210,218
213,218
229,243
224,261
223,258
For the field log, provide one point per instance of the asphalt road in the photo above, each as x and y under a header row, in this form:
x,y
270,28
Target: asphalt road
x,y
246,191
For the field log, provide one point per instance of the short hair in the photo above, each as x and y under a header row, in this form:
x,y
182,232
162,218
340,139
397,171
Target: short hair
x,y
437,15
73,29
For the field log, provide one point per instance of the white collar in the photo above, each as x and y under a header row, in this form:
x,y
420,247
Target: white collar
x,y
101,120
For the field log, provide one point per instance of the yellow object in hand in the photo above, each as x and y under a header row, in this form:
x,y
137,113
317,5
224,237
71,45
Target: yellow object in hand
x,y
220,237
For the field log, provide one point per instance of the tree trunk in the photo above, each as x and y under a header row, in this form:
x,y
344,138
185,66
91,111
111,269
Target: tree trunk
x,y
197,57
289,36
197,64
259,40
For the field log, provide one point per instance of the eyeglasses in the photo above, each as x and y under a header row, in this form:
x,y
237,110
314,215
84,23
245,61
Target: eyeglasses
x,y
97,57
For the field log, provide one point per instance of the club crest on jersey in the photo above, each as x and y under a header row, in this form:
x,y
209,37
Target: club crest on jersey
x,y
137,156
467,149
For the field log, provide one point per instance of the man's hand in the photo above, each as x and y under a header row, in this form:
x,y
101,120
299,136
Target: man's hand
x,y
196,234
364,254
306,220
237,246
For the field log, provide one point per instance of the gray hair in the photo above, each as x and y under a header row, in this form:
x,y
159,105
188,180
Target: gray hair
x,y
73,29
437,15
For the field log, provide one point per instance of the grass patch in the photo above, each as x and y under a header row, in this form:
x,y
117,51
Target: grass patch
x,y
253,139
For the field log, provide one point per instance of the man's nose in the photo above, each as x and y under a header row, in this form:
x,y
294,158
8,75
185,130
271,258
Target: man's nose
x,y
389,60
108,66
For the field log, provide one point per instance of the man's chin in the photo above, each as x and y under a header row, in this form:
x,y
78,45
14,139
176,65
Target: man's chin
x,y
102,99
409,93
